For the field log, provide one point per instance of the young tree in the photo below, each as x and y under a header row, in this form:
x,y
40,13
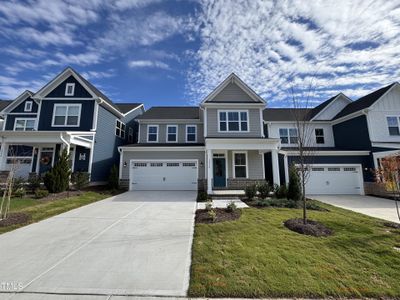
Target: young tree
x,y
57,179
294,189
389,175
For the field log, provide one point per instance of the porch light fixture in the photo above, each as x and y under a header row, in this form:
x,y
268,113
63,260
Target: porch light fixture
x,y
201,164
125,164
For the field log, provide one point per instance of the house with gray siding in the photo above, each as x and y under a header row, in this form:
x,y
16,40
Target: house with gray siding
x,y
68,112
232,139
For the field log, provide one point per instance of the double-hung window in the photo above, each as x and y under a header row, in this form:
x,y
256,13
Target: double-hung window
x,y
393,125
66,115
172,133
120,128
288,135
319,136
191,133
28,106
239,165
233,121
152,133
24,124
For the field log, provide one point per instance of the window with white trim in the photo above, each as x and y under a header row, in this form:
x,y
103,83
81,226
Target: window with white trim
x,y
288,135
235,121
120,129
28,106
152,133
24,124
130,135
69,89
191,131
240,165
66,115
319,136
172,133
393,125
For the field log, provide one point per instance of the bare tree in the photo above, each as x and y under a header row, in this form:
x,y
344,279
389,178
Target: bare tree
x,y
8,189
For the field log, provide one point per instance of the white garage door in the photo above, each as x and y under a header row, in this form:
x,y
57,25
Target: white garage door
x,y
159,175
334,179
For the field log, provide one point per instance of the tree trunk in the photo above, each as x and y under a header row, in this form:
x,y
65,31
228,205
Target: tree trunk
x,y
304,203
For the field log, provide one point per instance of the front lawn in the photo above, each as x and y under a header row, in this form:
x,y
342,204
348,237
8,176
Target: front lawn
x,y
38,209
256,256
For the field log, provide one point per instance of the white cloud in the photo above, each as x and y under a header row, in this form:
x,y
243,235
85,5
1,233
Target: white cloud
x,y
148,64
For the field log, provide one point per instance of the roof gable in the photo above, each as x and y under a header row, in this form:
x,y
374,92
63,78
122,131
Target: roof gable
x,y
20,99
59,90
233,90
328,109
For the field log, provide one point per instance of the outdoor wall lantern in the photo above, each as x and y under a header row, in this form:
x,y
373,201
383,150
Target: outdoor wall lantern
x,y
125,164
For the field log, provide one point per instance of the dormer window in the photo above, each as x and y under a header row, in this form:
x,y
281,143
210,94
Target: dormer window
x,y
70,89
28,106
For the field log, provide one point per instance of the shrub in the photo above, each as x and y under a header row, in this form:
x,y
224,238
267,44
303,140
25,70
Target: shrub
x,y
34,182
40,193
21,192
281,191
231,207
80,180
212,215
202,196
250,191
294,189
17,184
208,205
285,203
113,179
57,179
264,189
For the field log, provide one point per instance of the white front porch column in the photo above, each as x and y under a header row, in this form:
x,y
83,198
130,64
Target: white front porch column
x,y
209,171
275,167
286,166
3,156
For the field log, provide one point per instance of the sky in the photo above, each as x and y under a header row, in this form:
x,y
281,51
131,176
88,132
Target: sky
x,y
176,52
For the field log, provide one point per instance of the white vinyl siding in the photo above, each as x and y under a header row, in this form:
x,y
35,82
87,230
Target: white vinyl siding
x,y
66,115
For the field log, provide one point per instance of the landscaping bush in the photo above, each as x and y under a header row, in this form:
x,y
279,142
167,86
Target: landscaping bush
x,y
202,196
113,179
294,189
208,205
80,180
21,192
212,215
57,179
17,184
231,207
34,182
40,193
264,189
285,203
280,191
251,191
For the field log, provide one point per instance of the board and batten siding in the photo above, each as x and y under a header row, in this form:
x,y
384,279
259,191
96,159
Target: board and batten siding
x,y
254,123
333,108
10,121
388,105
127,156
232,93
254,161
20,108
162,132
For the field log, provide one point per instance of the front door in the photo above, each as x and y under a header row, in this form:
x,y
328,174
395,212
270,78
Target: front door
x,y
219,172
46,159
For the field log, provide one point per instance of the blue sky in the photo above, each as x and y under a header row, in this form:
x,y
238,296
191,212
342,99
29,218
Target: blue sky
x,y
175,52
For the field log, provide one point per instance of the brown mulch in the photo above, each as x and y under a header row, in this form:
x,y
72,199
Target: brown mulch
x,y
392,225
313,228
222,215
14,219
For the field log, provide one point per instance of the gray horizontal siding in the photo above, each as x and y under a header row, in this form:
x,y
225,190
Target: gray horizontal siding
x,y
254,160
232,93
162,130
254,124
128,155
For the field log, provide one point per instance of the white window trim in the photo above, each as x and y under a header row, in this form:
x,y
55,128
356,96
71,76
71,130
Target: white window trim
x,y
120,129
18,119
30,103
195,134
227,122
176,134
316,136
288,136
233,163
72,90
398,124
65,123
158,132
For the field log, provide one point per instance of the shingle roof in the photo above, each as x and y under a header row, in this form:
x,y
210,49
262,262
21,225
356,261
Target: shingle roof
x,y
363,102
286,114
165,144
126,107
171,113
4,104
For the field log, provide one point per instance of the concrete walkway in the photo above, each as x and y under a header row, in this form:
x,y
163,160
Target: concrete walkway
x,y
371,206
136,243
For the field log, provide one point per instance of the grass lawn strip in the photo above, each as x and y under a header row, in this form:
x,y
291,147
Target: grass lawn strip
x,y
256,256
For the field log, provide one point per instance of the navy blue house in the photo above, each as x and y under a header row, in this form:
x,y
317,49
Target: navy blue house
x,y
67,112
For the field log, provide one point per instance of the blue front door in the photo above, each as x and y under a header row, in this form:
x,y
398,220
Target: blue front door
x,y
219,172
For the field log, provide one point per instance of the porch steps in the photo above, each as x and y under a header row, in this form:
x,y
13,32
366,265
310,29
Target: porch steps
x,y
227,194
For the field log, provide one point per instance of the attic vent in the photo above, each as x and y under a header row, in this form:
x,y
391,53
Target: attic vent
x,y
70,89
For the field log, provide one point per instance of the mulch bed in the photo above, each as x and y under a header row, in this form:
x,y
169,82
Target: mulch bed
x,y
222,215
61,195
313,228
392,225
14,219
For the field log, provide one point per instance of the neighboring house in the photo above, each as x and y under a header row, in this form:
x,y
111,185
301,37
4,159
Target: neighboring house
x,y
67,112
232,140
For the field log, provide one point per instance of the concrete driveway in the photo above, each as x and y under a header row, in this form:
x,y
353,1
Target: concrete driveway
x,y
371,206
136,243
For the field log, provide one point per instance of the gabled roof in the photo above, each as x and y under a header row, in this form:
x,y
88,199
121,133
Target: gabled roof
x,y
127,107
286,114
364,102
171,113
321,107
26,94
233,78
4,104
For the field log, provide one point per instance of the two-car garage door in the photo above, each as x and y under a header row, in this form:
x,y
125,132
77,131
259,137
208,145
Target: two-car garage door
x,y
161,175
334,179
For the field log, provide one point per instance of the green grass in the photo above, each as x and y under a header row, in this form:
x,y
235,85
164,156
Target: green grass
x,y
256,256
43,209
